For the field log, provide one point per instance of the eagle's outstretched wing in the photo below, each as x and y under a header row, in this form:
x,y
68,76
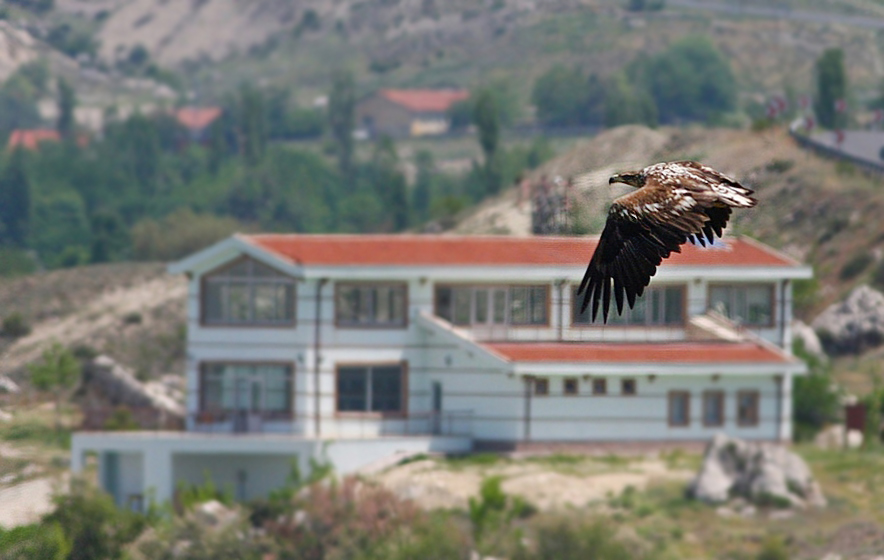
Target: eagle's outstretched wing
x,y
679,202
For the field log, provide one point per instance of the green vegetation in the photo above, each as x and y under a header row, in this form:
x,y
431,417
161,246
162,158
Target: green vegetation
x,y
831,89
815,403
58,372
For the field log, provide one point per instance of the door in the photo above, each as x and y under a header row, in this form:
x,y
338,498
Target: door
x,y
249,403
437,408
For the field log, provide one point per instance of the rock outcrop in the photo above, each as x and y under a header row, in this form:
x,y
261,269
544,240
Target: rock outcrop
x,y
808,337
110,387
763,473
855,324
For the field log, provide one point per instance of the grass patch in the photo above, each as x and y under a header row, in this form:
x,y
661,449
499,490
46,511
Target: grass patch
x,y
34,431
475,460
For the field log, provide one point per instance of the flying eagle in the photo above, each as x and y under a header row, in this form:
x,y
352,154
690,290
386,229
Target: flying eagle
x,y
675,202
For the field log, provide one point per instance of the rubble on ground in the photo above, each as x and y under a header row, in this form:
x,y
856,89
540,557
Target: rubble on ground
x,y
764,474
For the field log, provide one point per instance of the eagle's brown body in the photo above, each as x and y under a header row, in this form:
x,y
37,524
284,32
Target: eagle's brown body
x,y
675,202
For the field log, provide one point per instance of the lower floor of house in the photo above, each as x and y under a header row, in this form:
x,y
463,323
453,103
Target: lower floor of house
x,y
136,467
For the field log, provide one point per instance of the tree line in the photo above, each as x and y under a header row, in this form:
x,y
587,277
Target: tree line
x,y
146,189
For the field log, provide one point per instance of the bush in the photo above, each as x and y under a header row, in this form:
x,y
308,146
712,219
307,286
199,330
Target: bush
x,y
856,265
178,234
15,262
132,318
773,548
45,542
15,326
92,523
564,540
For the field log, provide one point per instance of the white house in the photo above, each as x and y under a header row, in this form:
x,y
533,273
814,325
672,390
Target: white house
x,y
354,347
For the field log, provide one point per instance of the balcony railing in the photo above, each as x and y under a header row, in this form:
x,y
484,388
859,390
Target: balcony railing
x,y
447,423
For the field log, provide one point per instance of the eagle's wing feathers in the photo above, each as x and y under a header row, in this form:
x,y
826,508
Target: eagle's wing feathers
x,y
642,229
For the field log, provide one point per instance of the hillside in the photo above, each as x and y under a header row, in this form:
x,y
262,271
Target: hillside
x,y
132,312
220,43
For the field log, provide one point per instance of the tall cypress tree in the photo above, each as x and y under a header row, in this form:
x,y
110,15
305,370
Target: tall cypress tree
x,y
423,182
486,117
831,87
15,201
252,125
67,102
342,119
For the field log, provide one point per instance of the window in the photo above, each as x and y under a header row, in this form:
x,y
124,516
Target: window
x,y
251,387
248,293
679,408
378,388
627,387
541,387
493,305
713,408
747,408
749,305
572,386
599,386
658,306
370,305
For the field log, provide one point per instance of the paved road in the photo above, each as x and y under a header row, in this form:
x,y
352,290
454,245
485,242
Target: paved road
x,y
780,13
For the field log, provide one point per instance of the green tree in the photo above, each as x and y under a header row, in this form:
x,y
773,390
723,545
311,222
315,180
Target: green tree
x,y
487,121
831,87
59,224
252,125
110,237
565,97
45,541
423,183
15,201
342,119
626,104
389,182
57,371
689,81
67,102
814,403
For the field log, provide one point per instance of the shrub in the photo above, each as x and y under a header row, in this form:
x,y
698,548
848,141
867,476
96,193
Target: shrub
x,y
178,234
564,540
45,542
773,548
132,318
856,265
121,420
15,326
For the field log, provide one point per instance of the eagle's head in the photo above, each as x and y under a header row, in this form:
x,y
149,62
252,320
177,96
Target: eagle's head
x,y
632,178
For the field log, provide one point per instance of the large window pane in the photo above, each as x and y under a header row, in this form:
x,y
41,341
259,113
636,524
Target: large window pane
x,y
679,411
248,293
386,389
443,303
462,306
255,388
370,388
713,408
370,305
481,306
352,389
749,305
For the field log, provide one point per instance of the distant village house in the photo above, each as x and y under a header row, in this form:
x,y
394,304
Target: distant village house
x,y
402,113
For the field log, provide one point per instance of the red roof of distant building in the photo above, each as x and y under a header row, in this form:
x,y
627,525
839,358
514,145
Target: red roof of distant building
x,y
30,139
445,250
668,352
425,100
197,118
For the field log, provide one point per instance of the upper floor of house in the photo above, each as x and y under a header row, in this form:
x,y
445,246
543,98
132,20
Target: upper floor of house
x,y
364,288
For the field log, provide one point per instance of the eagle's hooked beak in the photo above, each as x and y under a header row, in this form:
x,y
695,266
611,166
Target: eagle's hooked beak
x,y
631,179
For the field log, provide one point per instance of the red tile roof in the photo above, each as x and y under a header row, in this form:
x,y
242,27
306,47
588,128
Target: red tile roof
x,y
30,139
425,100
197,118
445,250
668,352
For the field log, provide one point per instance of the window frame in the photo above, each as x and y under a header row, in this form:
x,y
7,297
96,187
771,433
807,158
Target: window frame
x,y
772,286
288,414
754,421
402,413
508,323
206,279
719,396
576,386
371,326
576,301
670,398
623,383
604,386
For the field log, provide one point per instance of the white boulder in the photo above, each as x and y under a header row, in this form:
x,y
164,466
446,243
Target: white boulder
x,y
855,324
763,473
